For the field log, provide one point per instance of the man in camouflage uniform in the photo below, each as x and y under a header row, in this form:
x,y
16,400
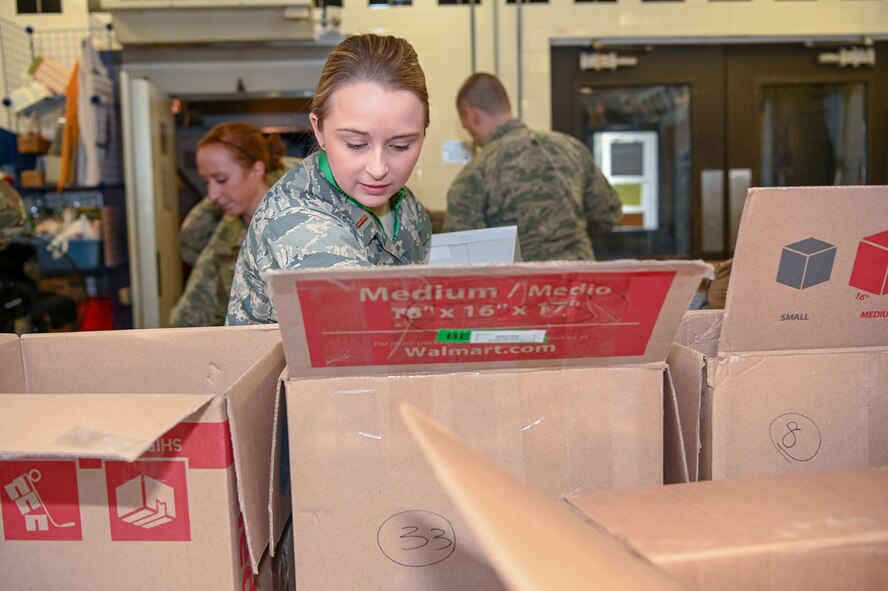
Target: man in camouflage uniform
x,y
307,221
12,214
547,184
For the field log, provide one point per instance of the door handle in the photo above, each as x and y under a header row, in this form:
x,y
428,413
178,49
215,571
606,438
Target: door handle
x,y
739,180
713,210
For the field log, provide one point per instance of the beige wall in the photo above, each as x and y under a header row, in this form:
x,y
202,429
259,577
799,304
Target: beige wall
x,y
441,36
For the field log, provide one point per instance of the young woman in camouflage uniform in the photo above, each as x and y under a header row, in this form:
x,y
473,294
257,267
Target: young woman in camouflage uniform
x,y
238,164
346,205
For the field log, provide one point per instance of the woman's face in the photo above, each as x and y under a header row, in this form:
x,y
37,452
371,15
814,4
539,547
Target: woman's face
x,y
237,190
372,138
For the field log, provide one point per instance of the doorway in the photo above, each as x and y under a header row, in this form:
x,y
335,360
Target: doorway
x,y
686,130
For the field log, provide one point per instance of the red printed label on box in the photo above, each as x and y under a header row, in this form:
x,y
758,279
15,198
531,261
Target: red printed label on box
x,y
870,272
39,500
406,320
206,445
148,501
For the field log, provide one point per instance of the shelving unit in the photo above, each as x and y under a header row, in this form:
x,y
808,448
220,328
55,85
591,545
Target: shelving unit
x,y
100,267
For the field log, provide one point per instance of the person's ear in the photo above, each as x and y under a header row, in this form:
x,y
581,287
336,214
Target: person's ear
x,y
258,170
473,116
315,126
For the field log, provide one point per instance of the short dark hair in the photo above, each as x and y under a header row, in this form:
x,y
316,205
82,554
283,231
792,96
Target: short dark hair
x,y
485,92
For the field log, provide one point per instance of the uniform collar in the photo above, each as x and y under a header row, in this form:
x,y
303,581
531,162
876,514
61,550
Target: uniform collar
x,y
503,129
363,218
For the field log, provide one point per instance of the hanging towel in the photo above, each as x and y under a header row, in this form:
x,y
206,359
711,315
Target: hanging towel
x,y
69,137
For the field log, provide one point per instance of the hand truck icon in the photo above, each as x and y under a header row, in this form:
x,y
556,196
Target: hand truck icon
x,y
26,498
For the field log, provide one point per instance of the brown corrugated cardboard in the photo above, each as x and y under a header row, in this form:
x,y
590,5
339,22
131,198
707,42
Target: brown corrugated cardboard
x,y
696,341
534,542
277,572
800,532
555,370
799,379
136,459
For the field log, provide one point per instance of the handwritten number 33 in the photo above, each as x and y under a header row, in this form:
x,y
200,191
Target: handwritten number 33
x,y
421,540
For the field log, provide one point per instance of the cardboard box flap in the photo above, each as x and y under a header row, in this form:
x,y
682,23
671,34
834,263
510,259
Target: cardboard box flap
x,y
810,270
776,516
388,320
687,368
203,360
700,330
280,504
6,338
534,543
108,426
675,456
251,410
12,378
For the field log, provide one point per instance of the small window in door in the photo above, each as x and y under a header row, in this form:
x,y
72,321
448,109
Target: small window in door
x,y
813,134
640,138
38,6
388,3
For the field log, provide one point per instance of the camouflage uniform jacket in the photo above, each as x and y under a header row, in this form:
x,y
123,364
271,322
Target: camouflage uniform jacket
x,y
547,184
12,214
306,221
209,241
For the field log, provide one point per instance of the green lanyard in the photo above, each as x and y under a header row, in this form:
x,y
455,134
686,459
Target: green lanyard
x,y
327,173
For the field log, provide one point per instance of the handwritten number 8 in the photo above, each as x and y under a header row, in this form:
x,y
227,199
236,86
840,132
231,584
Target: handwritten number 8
x,y
440,534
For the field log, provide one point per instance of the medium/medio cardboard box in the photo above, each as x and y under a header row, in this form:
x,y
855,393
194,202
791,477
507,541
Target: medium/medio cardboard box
x,y
793,376
555,370
137,459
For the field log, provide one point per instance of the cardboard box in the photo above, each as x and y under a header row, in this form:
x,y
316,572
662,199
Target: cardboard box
x,y
32,178
793,376
556,370
137,459
32,144
800,532
277,573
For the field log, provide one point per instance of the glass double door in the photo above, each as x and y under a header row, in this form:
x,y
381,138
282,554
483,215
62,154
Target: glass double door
x,y
686,130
